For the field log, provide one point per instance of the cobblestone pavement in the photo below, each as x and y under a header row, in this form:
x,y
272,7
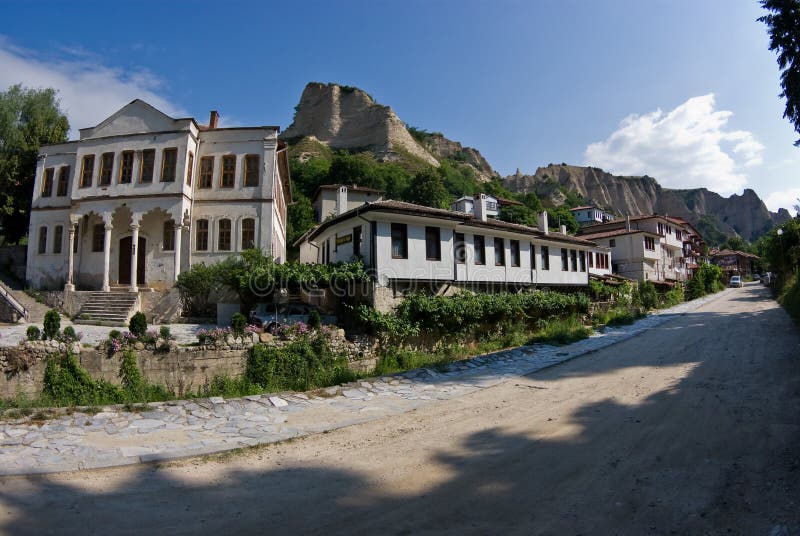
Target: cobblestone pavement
x,y
13,334
182,428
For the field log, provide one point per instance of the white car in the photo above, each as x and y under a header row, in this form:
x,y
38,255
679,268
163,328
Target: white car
x,y
736,281
270,317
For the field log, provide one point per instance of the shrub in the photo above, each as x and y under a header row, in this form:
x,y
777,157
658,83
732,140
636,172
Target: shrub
x,y
300,365
69,335
114,334
238,323
138,324
674,296
67,384
646,295
33,333
164,333
562,331
314,320
132,380
52,324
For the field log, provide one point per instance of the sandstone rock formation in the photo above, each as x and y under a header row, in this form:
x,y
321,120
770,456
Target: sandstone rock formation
x,y
441,147
744,215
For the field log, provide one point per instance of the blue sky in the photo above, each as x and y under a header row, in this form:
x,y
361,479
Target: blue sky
x,y
684,91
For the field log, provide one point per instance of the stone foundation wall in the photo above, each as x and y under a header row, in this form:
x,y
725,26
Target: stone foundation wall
x,y
179,368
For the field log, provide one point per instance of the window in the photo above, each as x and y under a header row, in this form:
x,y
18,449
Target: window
x,y
228,177
126,167
224,235
47,182
42,240
514,252
58,238
433,244
98,237
357,241
168,236
583,260
649,243
573,255
545,257
75,241
479,244
106,167
63,181
399,241
190,170
591,259
169,164
249,233
201,236
533,256
87,171
251,164
612,243
499,252
459,248
677,234
148,165
564,260
206,171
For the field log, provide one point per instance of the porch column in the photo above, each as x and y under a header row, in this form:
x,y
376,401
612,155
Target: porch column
x,y
177,244
107,256
70,286
134,255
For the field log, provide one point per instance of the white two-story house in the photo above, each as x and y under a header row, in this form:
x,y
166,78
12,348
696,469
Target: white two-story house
x,y
408,247
142,196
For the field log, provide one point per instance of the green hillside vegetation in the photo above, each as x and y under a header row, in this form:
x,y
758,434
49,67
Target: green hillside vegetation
x,y
313,164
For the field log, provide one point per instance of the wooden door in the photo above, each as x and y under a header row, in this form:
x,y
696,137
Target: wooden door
x,y
125,253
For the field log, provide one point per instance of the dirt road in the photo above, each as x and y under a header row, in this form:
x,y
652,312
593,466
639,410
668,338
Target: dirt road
x,y
691,428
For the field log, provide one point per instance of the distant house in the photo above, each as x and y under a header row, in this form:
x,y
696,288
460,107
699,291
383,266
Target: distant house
x,y
335,199
485,204
734,262
590,214
408,247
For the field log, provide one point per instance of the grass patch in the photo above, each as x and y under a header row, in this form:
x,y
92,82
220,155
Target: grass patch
x,y
618,316
562,331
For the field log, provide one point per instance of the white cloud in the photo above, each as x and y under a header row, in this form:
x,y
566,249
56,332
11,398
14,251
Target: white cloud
x,y
688,147
89,90
783,199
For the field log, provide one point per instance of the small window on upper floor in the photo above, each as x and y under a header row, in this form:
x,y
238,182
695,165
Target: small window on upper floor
x,y
169,164
148,165
499,252
106,167
515,257
224,235
399,241
228,175
206,172
42,240
545,257
201,235
251,165
564,260
63,181
433,244
189,169
459,248
47,182
87,171
248,233
612,243
126,167
479,247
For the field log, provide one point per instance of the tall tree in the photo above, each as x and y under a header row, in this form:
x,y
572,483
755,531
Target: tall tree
x,y
29,118
783,21
427,188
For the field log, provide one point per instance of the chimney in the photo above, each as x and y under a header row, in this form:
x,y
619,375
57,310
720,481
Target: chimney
x,y
480,207
341,200
213,119
628,222
563,229
543,227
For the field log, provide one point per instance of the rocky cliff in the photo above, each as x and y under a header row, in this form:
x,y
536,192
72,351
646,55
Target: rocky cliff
x,y
744,215
344,117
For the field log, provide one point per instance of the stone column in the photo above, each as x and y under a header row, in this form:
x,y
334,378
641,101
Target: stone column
x,y
107,256
177,244
70,286
134,255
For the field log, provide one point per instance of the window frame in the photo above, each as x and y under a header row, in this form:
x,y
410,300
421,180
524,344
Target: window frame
x,y
206,173
357,238
564,260
433,243
501,260
533,255
459,248
516,258
150,166
63,180
480,258
582,261
222,175
106,173
48,177
224,234
573,260
247,171
168,236
649,240
58,239
42,243
98,237
544,251
121,173
202,227
249,231
399,236
189,168
173,172
87,171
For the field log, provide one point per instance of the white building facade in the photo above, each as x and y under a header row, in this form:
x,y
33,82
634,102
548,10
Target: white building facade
x,y
142,196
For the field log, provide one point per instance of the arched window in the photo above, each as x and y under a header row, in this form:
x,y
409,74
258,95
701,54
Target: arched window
x,y
201,237
224,235
248,233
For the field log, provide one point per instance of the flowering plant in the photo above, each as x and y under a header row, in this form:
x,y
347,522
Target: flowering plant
x,y
211,336
290,331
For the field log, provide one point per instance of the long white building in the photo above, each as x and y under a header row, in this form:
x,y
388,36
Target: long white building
x,y
142,196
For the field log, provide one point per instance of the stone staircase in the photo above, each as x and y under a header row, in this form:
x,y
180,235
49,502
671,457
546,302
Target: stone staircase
x,y
108,308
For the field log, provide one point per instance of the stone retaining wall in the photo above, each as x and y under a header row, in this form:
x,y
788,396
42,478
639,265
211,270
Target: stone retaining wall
x,y
179,368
